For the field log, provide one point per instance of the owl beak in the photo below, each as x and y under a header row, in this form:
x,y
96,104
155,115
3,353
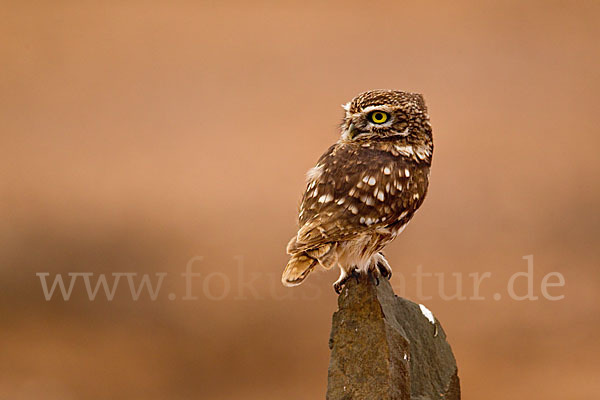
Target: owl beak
x,y
352,131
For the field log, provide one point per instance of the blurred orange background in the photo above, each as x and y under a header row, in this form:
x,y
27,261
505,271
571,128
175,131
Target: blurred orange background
x,y
137,135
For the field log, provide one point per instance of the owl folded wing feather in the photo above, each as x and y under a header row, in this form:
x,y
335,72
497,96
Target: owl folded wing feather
x,y
353,190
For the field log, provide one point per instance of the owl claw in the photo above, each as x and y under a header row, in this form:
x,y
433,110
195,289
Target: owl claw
x,y
383,266
376,279
339,284
337,287
384,272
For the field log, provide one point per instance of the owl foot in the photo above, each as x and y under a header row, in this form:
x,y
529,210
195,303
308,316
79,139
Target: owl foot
x,y
338,285
383,266
344,276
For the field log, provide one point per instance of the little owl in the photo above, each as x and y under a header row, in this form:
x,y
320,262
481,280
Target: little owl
x,y
364,189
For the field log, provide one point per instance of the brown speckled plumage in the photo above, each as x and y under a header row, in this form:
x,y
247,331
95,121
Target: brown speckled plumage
x,y
365,188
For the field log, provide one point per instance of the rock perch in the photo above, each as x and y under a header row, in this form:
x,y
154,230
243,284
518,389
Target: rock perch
x,y
384,347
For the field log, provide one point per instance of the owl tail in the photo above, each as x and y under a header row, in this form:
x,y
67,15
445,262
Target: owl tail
x,y
297,269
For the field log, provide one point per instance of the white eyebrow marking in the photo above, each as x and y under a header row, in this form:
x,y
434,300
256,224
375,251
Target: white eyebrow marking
x,y
379,107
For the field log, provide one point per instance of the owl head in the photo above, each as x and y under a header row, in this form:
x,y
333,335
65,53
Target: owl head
x,y
389,114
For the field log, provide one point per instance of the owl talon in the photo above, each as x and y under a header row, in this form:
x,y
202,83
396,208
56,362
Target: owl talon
x,y
384,271
339,284
337,287
376,280
383,266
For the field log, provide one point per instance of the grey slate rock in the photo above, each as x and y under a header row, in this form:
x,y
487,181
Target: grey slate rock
x,y
384,348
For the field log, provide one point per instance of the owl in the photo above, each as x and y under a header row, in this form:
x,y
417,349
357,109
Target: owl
x,y
365,189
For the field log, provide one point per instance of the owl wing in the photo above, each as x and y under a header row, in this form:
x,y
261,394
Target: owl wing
x,y
356,189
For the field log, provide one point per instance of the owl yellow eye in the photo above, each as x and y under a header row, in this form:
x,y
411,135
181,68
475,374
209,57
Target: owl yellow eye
x,y
378,117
